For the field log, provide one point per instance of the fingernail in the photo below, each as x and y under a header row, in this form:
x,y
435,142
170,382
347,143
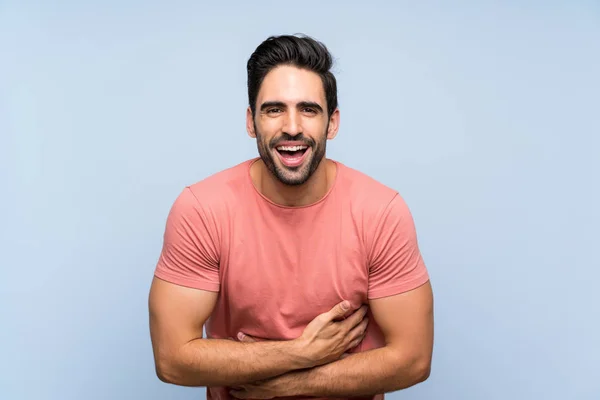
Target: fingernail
x,y
241,336
346,305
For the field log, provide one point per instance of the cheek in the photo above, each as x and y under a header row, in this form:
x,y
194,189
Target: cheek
x,y
315,127
269,128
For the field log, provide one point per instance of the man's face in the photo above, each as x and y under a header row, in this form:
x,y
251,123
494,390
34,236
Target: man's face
x,y
291,125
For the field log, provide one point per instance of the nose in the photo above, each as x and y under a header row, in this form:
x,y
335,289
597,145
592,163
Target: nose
x,y
293,123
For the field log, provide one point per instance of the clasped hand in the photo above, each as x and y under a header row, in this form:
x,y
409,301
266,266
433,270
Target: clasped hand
x,y
327,338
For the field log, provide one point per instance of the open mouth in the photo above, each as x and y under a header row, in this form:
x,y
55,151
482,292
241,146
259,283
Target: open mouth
x,y
292,156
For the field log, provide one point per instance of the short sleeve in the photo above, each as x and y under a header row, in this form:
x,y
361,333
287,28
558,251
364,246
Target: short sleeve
x,y
190,255
396,264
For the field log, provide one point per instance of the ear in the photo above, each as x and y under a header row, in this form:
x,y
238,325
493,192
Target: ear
x,y
250,123
334,124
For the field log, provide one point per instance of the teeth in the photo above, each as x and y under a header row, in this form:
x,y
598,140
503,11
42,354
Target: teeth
x,y
291,148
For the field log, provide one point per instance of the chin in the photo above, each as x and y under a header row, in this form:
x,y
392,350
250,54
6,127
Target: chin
x,y
292,176
292,179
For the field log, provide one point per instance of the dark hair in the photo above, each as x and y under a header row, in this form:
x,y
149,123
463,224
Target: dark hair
x,y
298,50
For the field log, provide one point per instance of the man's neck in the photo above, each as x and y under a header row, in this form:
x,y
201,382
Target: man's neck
x,y
308,193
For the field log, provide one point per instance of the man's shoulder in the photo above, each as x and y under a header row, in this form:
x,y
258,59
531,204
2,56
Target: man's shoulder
x,y
365,189
220,188
223,179
372,202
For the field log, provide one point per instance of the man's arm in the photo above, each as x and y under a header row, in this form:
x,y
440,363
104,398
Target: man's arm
x,y
183,357
406,321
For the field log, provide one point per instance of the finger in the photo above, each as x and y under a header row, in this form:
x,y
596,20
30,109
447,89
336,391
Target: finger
x,y
356,342
359,330
356,317
338,311
245,338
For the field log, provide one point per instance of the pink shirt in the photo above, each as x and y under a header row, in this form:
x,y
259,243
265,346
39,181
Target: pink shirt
x,y
275,267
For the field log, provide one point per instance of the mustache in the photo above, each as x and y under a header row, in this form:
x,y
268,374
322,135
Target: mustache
x,y
289,138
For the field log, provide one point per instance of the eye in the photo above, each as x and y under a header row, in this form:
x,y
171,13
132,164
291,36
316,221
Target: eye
x,y
274,110
309,110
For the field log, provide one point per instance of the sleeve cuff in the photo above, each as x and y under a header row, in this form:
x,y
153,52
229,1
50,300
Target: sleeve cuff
x,y
398,289
190,283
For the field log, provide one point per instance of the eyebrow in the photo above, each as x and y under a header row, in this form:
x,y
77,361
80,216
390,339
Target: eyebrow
x,y
268,104
310,104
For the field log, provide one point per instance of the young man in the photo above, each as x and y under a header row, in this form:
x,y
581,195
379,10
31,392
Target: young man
x,y
307,273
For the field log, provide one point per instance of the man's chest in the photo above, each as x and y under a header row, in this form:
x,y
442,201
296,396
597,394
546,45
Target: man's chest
x,y
284,274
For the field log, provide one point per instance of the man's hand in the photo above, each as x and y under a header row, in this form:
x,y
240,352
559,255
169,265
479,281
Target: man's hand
x,y
405,319
326,338
184,357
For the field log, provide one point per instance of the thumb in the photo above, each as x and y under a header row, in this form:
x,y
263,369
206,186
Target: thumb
x,y
339,310
245,338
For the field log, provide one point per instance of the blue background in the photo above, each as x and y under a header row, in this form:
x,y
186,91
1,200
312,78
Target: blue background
x,y
484,115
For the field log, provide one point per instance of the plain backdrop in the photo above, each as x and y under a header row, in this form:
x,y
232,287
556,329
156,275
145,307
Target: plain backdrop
x,y
484,115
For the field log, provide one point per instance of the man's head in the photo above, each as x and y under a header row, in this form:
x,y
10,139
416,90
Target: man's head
x,y
293,105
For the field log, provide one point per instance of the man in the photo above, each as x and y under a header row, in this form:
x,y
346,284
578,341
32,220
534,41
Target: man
x,y
307,273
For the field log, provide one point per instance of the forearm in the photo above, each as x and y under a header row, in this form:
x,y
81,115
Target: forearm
x,y
216,362
369,373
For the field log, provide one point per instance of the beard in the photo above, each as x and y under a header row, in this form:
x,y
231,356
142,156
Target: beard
x,y
292,176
